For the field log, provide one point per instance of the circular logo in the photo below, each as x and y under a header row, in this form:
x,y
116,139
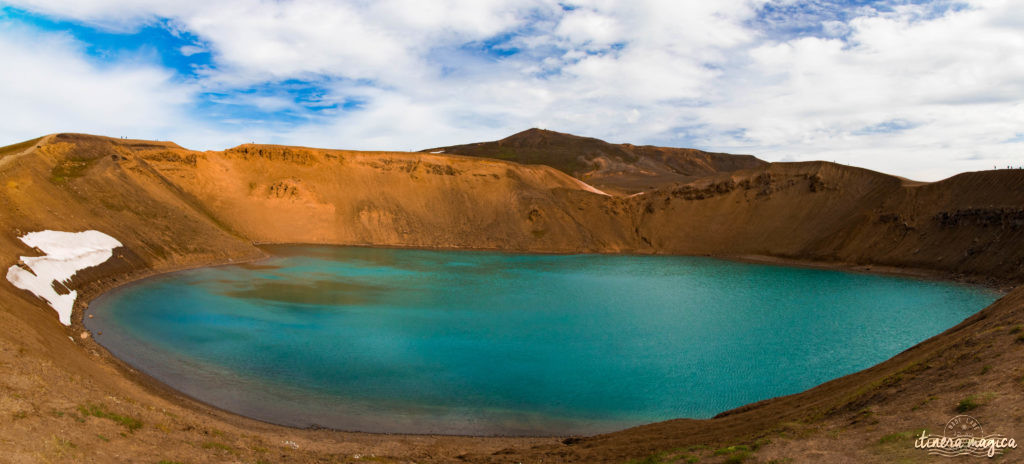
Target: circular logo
x,y
963,426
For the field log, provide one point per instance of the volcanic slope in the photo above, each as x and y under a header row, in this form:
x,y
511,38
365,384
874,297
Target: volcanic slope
x,y
171,208
614,168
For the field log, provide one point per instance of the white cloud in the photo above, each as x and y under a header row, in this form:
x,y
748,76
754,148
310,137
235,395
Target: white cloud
x,y
904,90
584,26
954,83
189,50
48,86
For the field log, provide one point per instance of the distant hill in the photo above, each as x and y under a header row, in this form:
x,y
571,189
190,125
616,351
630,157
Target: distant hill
x,y
614,168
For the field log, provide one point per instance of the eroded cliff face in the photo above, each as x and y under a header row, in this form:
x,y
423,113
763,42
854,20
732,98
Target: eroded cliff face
x,y
970,224
283,194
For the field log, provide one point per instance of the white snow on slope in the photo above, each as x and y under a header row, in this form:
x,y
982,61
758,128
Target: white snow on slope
x,y
65,254
590,188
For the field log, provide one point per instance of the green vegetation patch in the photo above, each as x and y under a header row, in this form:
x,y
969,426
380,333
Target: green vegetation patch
x,y
967,404
69,169
735,454
731,449
972,402
99,410
737,458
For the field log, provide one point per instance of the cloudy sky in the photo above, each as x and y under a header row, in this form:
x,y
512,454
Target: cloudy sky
x,y
918,88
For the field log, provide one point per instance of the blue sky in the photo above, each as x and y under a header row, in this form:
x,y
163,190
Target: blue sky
x,y
923,89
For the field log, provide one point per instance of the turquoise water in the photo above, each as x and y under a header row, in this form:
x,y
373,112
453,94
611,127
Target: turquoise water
x,y
388,340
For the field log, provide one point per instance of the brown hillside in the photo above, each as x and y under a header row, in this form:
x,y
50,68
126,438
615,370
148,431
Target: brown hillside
x,y
68,400
969,224
617,169
400,199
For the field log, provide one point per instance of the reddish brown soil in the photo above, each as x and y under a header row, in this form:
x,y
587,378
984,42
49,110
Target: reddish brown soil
x,y
67,400
614,168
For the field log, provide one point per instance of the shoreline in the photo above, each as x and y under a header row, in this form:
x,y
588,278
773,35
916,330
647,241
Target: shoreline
x,y
1003,286
169,393
176,209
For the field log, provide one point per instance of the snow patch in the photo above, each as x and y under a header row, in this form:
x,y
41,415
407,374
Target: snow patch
x,y
66,253
438,151
590,188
